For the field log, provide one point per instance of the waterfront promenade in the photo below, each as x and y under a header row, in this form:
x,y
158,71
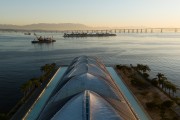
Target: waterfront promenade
x,y
140,112
38,105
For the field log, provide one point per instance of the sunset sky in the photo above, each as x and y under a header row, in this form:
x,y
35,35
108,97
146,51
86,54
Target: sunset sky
x,y
106,13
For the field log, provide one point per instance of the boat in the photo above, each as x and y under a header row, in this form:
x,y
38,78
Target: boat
x,y
43,39
88,35
27,33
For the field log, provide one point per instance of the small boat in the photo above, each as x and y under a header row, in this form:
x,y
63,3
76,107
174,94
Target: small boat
x,y
27,33
43,40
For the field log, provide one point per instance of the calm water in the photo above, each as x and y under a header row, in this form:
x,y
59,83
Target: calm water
x,y
20,60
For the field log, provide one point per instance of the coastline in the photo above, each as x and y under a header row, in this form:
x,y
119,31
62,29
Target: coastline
x,y
147,94
19,112
141,95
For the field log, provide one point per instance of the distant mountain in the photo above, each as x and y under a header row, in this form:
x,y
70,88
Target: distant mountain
x,y
47,26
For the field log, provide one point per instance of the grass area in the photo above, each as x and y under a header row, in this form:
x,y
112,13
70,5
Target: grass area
x,y
159,104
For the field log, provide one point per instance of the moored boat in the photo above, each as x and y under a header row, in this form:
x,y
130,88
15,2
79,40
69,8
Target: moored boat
x,y
88,35
43,40
27,33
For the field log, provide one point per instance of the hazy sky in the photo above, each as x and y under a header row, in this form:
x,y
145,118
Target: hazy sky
x,y
151,13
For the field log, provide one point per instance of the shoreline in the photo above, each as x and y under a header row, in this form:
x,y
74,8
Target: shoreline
x,y
144,95
19,111
139,95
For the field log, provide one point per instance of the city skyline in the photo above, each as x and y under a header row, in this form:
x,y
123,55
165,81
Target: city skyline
x,y
107,13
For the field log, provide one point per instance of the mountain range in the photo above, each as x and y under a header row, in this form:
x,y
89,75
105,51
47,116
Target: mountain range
x,y
49,26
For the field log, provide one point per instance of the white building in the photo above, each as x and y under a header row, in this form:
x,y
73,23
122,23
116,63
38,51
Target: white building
x,y
86,92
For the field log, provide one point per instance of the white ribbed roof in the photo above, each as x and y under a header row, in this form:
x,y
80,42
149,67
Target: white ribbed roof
x,y
105,101
87,106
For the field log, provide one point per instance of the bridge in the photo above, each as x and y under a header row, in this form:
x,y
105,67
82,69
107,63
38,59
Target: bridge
x,y
125,30
122,30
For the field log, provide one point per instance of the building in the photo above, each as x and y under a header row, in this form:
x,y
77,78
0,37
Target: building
x,y
87,92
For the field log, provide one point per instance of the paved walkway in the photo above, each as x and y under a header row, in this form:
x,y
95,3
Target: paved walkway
x,y
134,104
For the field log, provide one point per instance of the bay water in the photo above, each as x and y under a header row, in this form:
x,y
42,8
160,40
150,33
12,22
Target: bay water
x,y
20,60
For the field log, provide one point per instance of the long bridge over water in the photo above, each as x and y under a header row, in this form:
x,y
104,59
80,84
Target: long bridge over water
x,y
122,30
125,30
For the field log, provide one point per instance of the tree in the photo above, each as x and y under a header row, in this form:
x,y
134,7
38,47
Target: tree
x,y
174,89
146,75
161,79
24,88
154,81
168,85
35,82
160,75
47,68
143,68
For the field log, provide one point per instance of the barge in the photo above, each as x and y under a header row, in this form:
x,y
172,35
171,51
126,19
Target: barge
x,y
88,35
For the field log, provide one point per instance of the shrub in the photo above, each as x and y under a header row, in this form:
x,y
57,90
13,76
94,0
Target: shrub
x,y
138,83
154,82
167,104
134,82
151,105
146,75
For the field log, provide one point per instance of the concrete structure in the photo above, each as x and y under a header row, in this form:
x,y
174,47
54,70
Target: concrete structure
x,y
86,92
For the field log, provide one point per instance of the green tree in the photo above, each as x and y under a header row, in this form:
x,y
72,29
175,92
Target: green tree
x,y
143,68
46,68
161,79
26,87
154,81
174,89
36,82
168,85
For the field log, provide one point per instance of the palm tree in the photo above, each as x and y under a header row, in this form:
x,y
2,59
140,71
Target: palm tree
x,y
160,80
160,75
167,85
174,88
30,85
24,88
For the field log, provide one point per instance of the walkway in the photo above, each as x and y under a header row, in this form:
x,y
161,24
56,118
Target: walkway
x,y
136,107
36,108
